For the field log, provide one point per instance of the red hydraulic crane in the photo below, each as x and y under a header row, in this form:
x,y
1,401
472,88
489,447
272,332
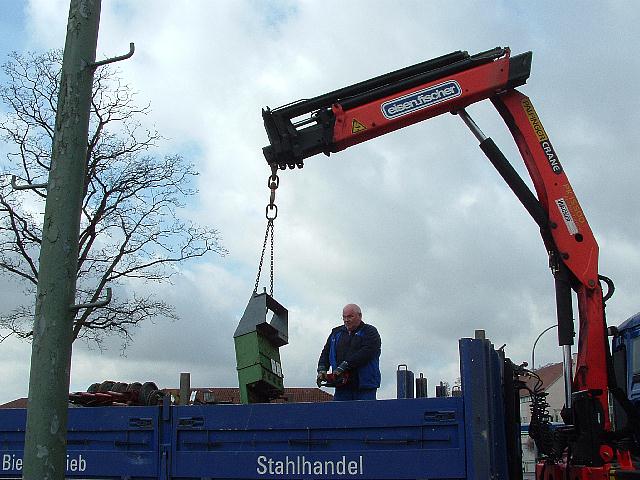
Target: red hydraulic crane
x,y
332,122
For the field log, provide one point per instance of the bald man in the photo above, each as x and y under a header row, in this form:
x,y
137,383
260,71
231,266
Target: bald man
x,y
353,353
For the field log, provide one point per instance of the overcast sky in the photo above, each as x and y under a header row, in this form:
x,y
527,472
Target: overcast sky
x,y
416,226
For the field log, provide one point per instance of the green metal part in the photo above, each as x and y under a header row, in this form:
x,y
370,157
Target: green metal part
x,y
257,344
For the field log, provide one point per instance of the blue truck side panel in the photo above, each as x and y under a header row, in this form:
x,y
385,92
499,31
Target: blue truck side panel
x,y
481,369
109,442
629,338
445,438
375,439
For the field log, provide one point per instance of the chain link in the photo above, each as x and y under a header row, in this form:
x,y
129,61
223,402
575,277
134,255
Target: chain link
x,y
271,212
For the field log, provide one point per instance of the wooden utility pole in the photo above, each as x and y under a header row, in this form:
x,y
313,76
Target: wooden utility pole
x,y
45,440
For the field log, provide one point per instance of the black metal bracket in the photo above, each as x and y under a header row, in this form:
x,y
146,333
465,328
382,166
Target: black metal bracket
x,y
132,49
98,304
29,186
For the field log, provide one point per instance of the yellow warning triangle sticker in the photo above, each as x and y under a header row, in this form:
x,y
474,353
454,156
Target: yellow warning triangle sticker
x,y
357,127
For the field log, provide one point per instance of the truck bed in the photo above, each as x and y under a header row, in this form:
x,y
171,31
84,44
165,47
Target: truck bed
x,y
455,437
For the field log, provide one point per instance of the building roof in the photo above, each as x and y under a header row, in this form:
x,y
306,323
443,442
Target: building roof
x,y
18,403
549,374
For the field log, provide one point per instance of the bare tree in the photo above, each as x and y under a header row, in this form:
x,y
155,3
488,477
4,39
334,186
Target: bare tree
x,y
130,229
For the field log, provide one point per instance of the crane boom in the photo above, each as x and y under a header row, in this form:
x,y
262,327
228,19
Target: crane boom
x,y
366,110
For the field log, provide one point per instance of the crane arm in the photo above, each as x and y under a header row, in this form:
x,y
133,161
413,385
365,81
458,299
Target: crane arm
x,y
351,115
332,122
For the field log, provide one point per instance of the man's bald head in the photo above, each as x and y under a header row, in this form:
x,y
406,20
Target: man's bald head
x,y
351,316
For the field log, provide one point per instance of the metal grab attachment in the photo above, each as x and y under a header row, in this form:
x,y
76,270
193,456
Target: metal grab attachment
x,y
29,186
132,49
255,318
98,304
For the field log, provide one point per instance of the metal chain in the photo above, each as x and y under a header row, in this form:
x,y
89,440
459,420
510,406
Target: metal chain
x,y
264,248
271,290
271,212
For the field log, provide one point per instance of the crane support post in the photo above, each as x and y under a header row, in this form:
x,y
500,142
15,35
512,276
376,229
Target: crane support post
x,y
368,109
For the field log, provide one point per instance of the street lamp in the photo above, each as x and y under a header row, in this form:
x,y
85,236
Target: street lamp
x,y
533,350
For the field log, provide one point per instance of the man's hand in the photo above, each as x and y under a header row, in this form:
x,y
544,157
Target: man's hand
x,y
322,376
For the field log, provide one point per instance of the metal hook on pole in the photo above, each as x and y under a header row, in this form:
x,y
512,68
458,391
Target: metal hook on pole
x,y
99,303
132,49
30,186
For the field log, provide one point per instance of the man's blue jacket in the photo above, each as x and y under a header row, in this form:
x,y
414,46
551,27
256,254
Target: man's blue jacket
x,y
361,351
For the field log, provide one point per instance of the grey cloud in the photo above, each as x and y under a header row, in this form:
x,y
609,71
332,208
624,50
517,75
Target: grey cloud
x,y
415,226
